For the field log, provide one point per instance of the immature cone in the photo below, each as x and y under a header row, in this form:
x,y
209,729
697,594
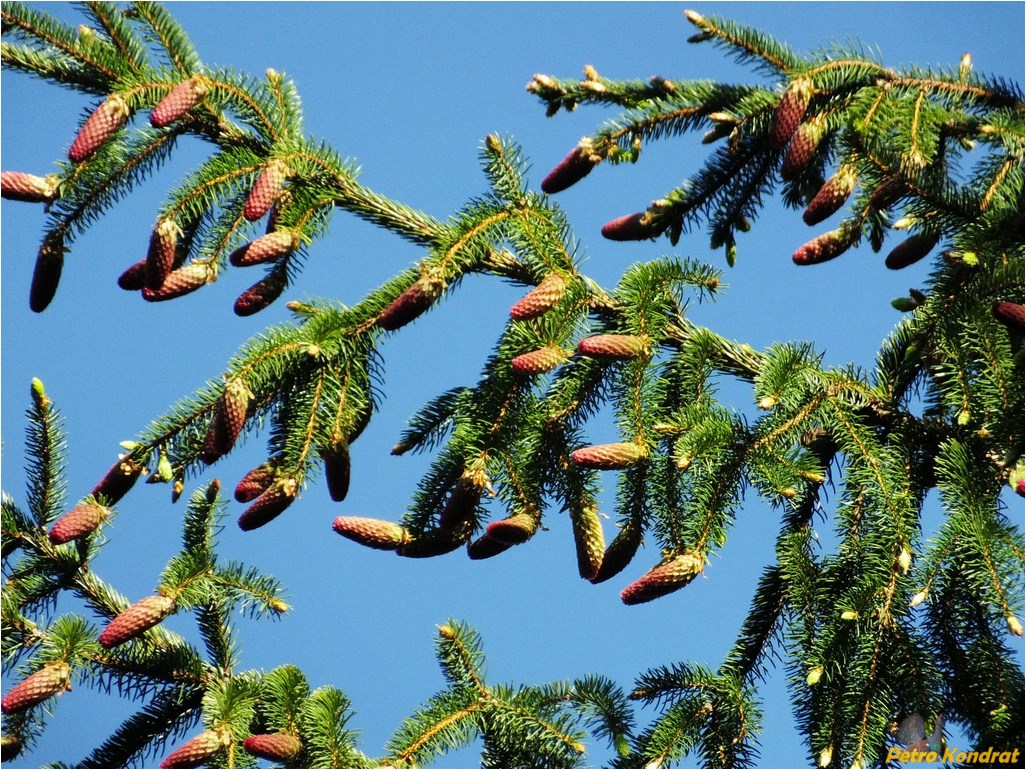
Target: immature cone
x,y
47,274
51,679
134,277
274,747
195,751
10,747
514,530
410,304
265,192
119,479
160,259
577,164
485,547
831,196
620,552
182,98
615,347
631,227
255,483
803,146
433,543
461,505
609,457
823,248
664,579
910,251
886,194
373,533
80,521
541,299
270,504
539,361
105,121
229,419
266,248
260,295
180,282
336,468
589,539
137,619
789,113
19,186
1010,314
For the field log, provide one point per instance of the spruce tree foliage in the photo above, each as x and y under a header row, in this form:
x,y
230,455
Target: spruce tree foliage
x,y
889,625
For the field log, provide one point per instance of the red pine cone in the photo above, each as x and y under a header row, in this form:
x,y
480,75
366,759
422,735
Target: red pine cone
x,y
803,146
823,248
910,251
539,361
433,543
485,547
589,540
260,295
195,751
180,282
274,747
461,505
51,679
789,113
265,192
373,533
337,468
831,197
270,504
1010,314
266,248
620,552
577,164
229,419
515,530
182,98
255,483
80,521
886,195
539,300
105,121
664,579
409,305
19,186
160,259
134,277
47,274
137,619
631,227
119,479
617,347
609,457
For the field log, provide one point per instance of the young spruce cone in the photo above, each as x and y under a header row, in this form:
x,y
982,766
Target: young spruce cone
x,y
539,361
609,457
265,192
831,196
229,419
541,299
589,540
613,347
105,121
485,547
803,146
80,521
134,277
664,579
136,620
373,533
1010,314
180,282
274,747
255,483
195,751
47,274
160,259
619,553
910,251
261,294
461,505
631,227
270,504
409,305
19,186
433,543
789,113
119,479
823,248
182,98
515,530
266,248
51,679
336,468
577,164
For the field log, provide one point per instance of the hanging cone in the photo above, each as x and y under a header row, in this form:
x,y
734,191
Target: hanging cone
x,y
134,277
589,539
47,273
541,299
831,196
195,751
51,679
789,112
514,530
539,361
910,251
577,164
229,419
823,248
462,504
270,504
336,468
485,547
409,305
29,188
180,282
433,543
265,192
160,259
373,533
119,479
266,248
801,149
631,227
182,98
105,121
136,620
274,747
80,521
668,577
260,295
1010,314
620,552
255,483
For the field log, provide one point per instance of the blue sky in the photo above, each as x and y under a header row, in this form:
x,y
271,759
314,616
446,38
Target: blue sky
x,y
410,91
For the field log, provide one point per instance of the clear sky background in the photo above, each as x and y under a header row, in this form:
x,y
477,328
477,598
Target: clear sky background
x,y
410,91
